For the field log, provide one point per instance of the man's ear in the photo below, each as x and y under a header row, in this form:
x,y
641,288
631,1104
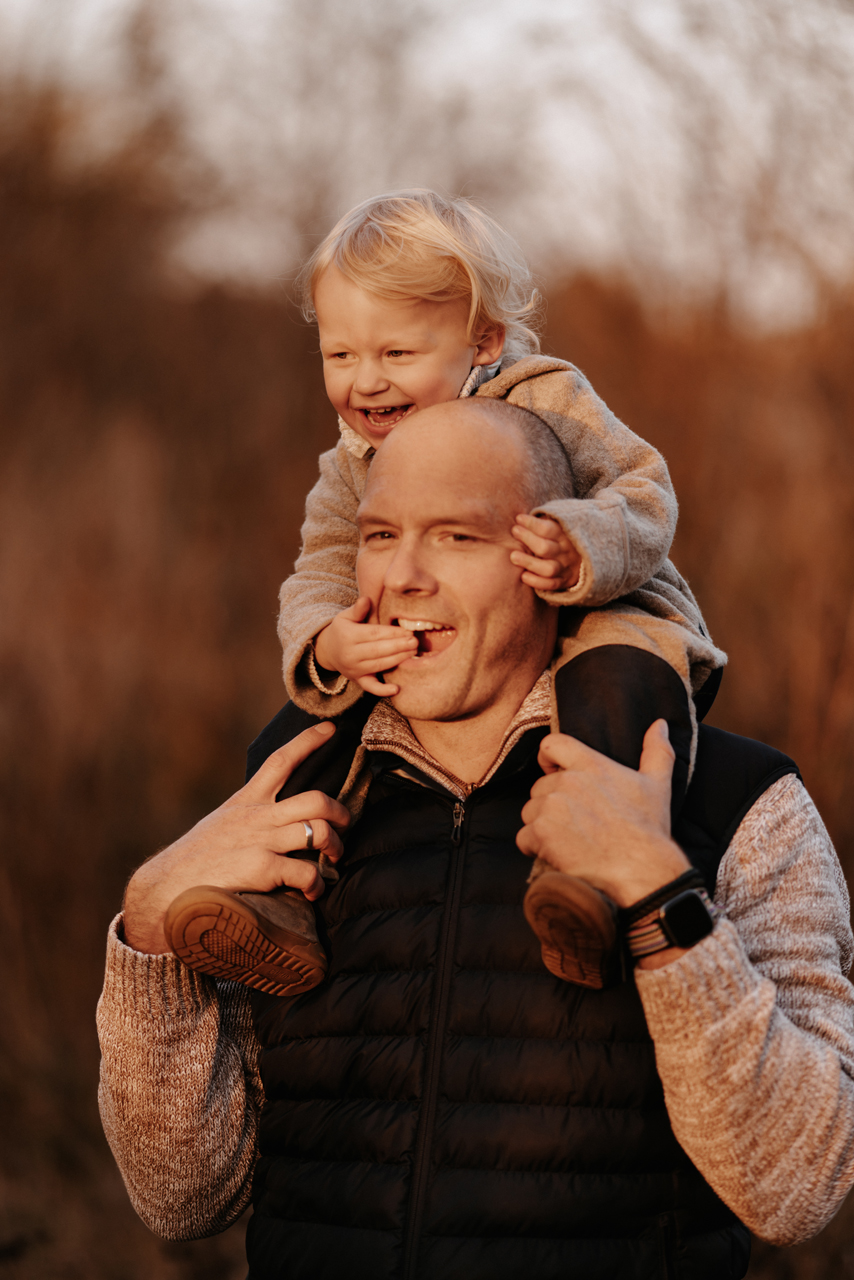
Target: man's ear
x,y
490,345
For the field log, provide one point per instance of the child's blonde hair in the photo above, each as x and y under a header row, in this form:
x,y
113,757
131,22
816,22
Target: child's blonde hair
x,y
417,244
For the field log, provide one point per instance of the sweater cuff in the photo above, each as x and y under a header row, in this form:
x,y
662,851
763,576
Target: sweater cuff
x,y
572,595
317,680
154,987
683,999
597,529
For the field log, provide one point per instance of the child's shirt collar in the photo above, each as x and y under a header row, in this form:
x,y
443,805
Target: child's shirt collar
x,y
359,448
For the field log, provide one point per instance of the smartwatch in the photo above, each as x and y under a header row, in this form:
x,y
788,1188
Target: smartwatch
x,y
679,914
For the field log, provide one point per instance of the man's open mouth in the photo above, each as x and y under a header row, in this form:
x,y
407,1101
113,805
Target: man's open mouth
x,y
387,416
432,637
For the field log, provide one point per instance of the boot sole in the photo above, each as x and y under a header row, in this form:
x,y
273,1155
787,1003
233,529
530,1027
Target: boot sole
x,y
214,932
577,929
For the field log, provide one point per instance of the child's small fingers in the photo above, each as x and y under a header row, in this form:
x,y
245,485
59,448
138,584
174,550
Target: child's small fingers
x,y
539,583
385,635
384,664
541,547
405,643
537,523
358,611
545,526
533,564
372,685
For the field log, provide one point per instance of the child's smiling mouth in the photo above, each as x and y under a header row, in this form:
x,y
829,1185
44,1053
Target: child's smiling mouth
x,y
383,418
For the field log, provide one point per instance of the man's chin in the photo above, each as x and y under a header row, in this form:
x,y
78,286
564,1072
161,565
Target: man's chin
x,y
424,695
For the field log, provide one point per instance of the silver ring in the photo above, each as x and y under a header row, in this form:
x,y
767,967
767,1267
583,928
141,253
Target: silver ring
x,y
309,835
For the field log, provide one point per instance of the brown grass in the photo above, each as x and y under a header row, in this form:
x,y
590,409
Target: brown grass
x,y
156,448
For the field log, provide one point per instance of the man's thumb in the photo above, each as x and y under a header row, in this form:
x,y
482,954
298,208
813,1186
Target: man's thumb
x,y
657,756
266,784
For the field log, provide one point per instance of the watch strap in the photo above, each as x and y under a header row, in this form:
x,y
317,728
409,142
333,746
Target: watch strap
x,y
643,924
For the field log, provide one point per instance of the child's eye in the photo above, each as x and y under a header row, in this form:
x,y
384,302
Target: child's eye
x,y
399,353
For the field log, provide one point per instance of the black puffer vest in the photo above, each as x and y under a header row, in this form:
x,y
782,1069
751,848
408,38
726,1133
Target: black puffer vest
x,y
441,1107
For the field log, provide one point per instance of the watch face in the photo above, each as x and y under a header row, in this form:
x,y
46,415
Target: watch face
x,y
686,919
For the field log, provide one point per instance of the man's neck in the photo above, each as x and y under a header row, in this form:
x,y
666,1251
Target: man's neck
x,y
467,748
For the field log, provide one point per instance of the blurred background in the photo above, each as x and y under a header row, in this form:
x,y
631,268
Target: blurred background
x,y
681,176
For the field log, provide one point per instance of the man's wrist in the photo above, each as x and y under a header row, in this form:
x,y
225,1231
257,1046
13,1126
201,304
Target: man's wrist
x,y
146,902
655,860
677,915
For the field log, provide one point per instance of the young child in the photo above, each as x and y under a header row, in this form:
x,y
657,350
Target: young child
x,y
420,300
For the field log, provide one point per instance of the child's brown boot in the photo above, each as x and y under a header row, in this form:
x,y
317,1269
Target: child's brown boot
x,y
267,941
576,926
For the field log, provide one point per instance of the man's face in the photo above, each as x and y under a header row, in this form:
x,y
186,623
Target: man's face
x,y
383,359
434,557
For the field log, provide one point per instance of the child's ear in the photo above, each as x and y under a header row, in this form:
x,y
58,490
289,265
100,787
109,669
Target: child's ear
x,y
490,345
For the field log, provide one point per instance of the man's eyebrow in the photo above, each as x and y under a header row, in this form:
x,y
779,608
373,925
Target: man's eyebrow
x,y
486,517
371,517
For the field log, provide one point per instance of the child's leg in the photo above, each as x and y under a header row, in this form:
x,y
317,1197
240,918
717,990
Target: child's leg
x,y
266,941
608,697
618,672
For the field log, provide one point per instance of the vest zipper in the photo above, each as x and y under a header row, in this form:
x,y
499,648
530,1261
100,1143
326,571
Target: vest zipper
x,y
444,969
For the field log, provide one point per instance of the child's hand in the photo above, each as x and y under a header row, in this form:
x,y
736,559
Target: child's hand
x,y
555,564
355,649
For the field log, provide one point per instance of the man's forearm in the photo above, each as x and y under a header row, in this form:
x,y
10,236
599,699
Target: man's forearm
x,y
754,1027
180,1091
764,1110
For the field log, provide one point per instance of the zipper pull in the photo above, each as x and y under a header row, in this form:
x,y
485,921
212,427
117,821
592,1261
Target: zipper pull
x,y
459,814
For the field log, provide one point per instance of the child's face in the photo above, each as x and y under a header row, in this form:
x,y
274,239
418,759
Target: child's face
x,y
383,359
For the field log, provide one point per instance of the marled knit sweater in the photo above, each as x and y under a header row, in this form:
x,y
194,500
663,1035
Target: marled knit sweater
x,y
753,1030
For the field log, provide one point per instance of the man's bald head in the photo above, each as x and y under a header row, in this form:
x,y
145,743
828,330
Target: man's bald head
x,y
547,475
506,438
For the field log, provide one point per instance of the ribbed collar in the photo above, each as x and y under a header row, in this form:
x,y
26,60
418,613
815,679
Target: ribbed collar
x,y
387,730
359,448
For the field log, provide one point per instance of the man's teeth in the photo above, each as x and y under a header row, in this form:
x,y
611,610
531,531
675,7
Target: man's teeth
x,y
415,625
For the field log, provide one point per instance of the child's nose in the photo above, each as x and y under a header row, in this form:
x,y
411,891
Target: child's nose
x,y
370,378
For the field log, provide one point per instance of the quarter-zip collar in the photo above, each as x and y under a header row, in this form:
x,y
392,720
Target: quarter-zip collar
x,y
387,730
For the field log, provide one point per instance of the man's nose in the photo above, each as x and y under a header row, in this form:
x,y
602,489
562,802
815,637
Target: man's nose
x,y
370,378
408,572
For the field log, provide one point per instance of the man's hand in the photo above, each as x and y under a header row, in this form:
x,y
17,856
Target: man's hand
x,y
357,649
555,563
608,825
240,845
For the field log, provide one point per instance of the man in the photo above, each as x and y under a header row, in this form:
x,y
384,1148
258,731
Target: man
x,y
442,1105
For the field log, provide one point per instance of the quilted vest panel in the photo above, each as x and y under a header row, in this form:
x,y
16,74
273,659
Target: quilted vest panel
x,y
441,1106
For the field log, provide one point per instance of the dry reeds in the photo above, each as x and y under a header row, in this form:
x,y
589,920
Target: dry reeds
x,y
156,449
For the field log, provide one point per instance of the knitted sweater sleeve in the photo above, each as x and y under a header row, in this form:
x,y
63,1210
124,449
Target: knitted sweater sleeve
x,y
180,1091
324,579
754,1026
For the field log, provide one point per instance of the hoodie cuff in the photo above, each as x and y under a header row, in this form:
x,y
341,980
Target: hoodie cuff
x,y
317,680
597,529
